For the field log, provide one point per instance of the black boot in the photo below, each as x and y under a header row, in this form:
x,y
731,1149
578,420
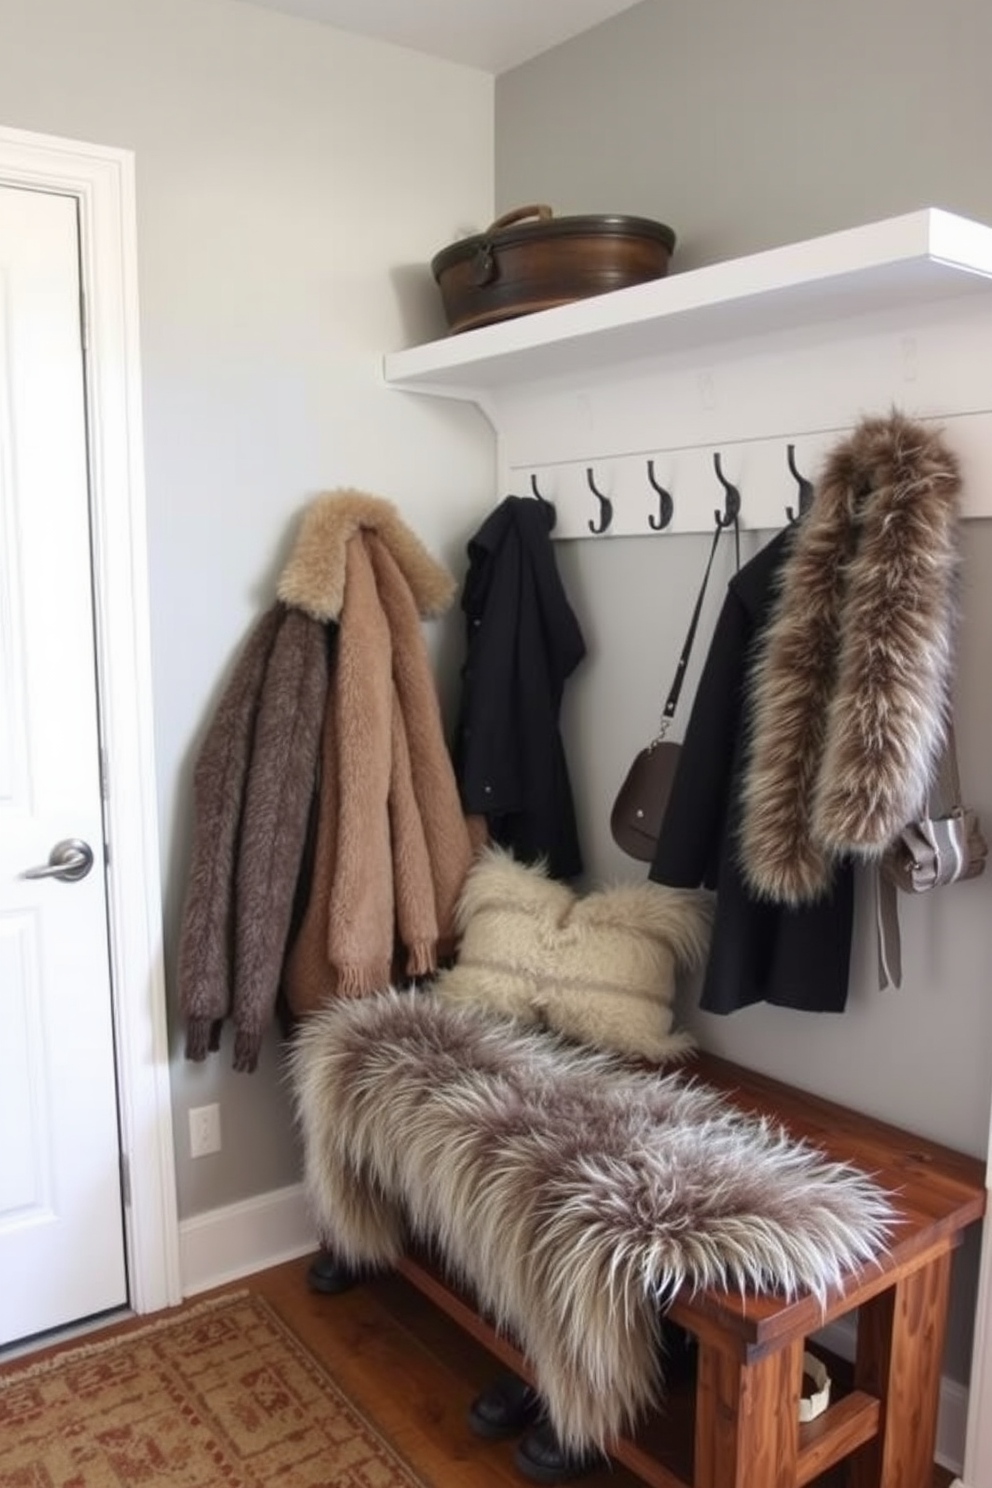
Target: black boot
x,y
327,1274
678,1354
504,1408
541,1457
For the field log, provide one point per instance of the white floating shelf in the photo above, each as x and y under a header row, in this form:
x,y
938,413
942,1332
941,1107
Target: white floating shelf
x,y
904,261
743,358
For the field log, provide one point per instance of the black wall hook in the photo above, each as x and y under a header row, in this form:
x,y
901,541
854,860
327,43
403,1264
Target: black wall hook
x,y
732,497
666,505
549,506
605,506
805,488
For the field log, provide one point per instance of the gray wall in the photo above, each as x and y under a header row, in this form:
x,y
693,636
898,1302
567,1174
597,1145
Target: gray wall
x,y
287,211
745,127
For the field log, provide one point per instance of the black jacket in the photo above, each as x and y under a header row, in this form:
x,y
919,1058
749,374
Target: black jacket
x,y
523,642
759,952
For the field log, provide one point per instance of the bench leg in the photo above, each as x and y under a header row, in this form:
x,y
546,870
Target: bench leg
x,y
747,1419
900,1351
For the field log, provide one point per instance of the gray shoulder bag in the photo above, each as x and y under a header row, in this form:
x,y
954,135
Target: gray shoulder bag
x,y
944,845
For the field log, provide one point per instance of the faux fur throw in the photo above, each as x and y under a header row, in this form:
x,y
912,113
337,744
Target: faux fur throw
x,y
851,688
574,1195
599,967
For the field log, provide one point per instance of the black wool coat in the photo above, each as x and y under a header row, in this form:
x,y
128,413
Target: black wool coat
x,y
759,951
523,641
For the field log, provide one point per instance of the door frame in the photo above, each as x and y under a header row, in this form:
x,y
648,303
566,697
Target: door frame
x,y
978,1445
102,181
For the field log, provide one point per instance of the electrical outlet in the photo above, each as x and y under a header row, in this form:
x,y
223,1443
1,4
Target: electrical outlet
x,y
204,1130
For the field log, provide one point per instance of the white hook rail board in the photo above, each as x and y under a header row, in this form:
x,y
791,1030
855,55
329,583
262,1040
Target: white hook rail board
x,y
791,346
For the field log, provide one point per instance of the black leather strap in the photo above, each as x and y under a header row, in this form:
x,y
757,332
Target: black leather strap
x,y
673,697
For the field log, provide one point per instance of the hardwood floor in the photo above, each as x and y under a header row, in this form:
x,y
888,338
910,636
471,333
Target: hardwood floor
x,y
411,1370
415,1372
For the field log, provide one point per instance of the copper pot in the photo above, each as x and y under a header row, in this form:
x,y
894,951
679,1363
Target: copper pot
x,y
531,260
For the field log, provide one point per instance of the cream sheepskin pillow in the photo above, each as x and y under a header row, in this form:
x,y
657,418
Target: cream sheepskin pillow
x,y
599,968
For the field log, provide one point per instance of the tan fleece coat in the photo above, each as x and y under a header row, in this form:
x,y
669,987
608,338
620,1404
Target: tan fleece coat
x,y
392,844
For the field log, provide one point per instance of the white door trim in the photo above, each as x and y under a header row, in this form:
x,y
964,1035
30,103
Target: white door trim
x,y
102,181
978,1446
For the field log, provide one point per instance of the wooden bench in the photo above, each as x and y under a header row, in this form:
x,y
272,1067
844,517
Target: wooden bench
x,y
743,1415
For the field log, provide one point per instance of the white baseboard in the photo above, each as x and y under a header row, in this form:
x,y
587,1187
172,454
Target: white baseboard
x,y
225,1244
952,1415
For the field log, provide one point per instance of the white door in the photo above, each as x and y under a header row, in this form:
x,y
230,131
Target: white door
x,y
61,1224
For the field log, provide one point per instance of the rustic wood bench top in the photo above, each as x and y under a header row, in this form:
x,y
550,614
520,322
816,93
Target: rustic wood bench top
x,y
937,1193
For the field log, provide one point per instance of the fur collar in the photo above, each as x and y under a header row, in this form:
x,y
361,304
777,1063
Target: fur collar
x,y
850,689
314,578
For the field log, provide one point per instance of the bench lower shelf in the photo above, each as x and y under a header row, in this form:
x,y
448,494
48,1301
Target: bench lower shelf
x,y
662,1453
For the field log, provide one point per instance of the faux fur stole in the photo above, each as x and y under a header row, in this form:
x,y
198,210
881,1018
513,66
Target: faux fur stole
x,y
849,694
314,578
574,1194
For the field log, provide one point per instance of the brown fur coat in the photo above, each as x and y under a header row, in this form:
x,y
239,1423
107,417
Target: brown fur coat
x,y
850,690
252,786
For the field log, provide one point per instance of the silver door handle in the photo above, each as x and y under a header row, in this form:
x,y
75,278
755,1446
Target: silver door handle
x,y
69,860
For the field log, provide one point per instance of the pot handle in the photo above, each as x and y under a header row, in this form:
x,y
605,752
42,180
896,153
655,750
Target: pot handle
x,y
519,214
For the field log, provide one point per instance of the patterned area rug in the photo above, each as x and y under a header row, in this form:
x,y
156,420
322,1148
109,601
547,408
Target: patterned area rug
x,y
222,1394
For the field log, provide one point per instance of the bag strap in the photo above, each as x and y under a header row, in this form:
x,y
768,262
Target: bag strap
x,y
944,798
671,702
887,936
